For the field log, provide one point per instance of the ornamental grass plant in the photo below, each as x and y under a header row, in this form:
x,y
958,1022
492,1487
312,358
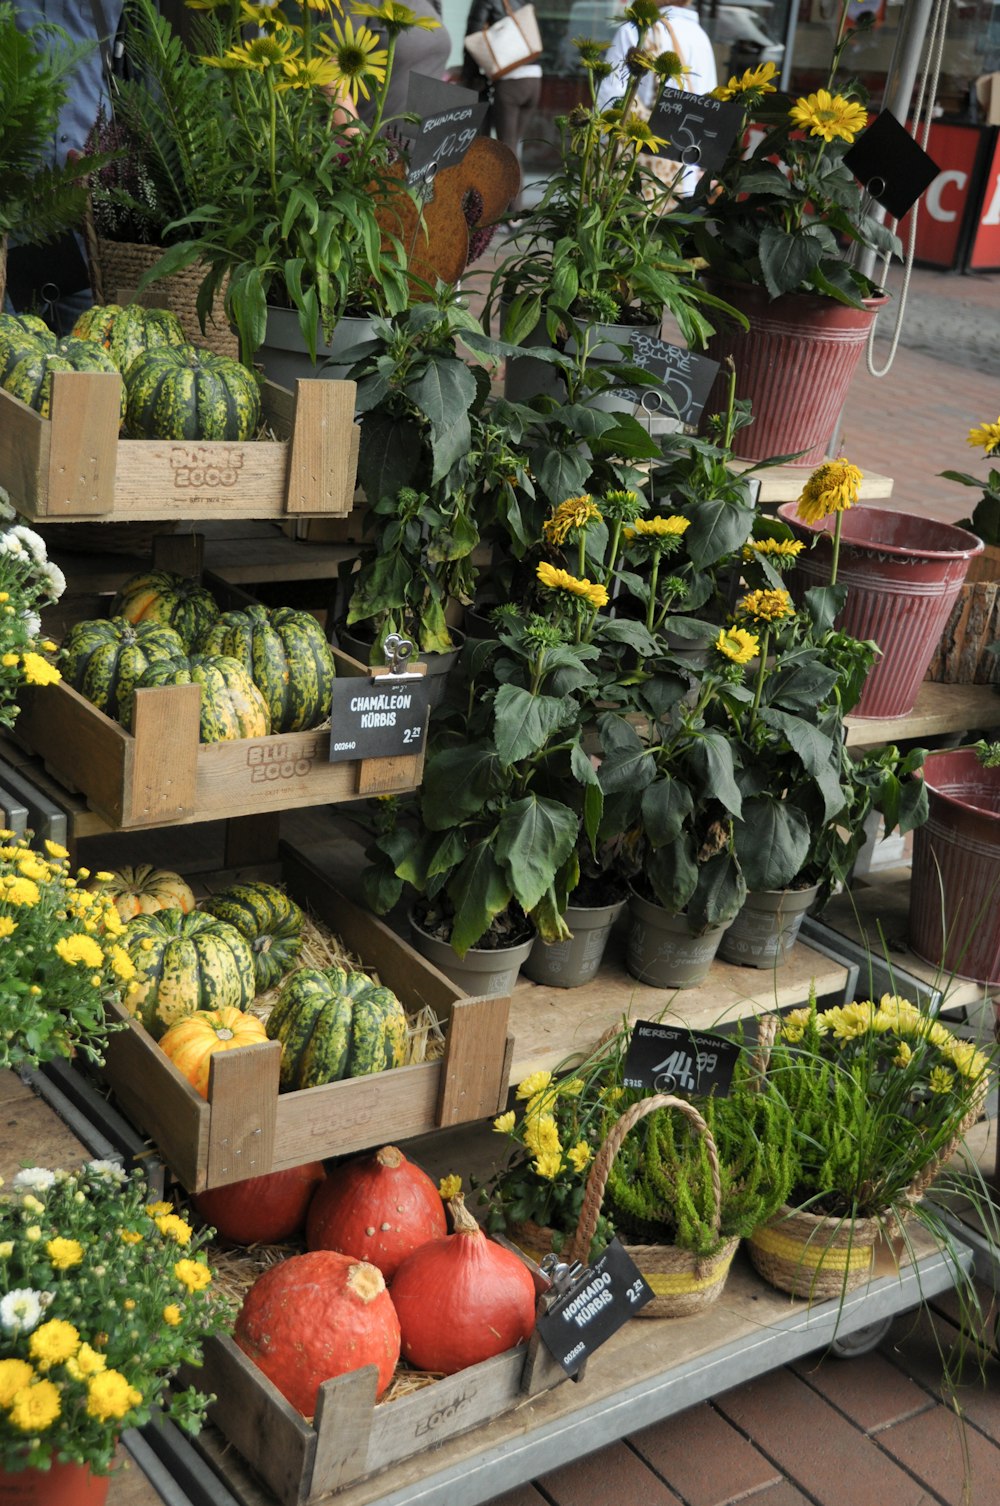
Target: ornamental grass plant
x,y
29,581
103,1295
784,216
61,958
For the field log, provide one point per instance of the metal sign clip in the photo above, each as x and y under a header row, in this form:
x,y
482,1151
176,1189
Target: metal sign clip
x,y
398,650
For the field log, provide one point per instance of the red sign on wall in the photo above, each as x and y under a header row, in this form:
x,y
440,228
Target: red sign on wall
x,y
985,253
943,208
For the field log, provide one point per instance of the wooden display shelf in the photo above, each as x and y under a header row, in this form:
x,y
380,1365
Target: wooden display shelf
x,y
247,1128
160,773
939,710
73,467
784,483
649,1370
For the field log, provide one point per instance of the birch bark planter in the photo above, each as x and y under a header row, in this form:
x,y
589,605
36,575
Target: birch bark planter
x,y
795,363
482,972
662,950
903,575
767,927
568,964
954,920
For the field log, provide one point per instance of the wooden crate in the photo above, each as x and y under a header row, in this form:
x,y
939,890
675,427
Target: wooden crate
x,y
161,773
246,1128
73,467
350,1436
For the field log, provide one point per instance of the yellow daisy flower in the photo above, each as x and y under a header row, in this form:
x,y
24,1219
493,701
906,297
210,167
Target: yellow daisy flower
x,y
759,79
987,436
829,115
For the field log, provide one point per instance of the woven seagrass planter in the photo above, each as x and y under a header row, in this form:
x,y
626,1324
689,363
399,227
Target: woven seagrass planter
x,y
813,1256
116,269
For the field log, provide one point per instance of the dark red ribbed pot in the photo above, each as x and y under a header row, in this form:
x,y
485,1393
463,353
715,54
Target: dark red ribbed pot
x,y
955,883
903,574
795,364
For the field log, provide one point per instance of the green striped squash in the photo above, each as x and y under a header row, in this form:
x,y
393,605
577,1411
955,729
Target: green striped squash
x,y
104,658
126,332
231,705
21,335
185,962
171,600
334,1024
182,392
267,919
287,654
30,378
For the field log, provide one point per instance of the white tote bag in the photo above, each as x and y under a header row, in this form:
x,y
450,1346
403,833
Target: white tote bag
x,y
508,44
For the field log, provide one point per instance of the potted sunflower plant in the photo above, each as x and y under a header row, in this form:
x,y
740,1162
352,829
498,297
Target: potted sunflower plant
x,y
771,244
104,1294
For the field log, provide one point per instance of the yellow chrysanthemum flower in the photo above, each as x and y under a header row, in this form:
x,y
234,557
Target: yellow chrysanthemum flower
x,y
969,1061
21,891
541,1134
14,1376
987,437
847,1021
55,850
904,1055
121,964
193,1275
64,1253
535,1082
450,1187
941,1080
829,115
579,1155
109,1396
9,660
172,1226
573,514
737,644
7,926
53,1342
833,486
548,1165
767,606
35,1407
86,1362
504,1123
80,948
38,671
172,1314
129,1237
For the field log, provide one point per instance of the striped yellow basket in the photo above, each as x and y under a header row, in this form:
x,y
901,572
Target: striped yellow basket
x,y
683,1283
814,1256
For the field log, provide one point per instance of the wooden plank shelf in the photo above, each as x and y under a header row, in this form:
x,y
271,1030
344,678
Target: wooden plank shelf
x,y
939,710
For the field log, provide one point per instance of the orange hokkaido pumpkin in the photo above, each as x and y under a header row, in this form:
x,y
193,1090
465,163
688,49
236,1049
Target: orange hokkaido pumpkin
x,y
193,1041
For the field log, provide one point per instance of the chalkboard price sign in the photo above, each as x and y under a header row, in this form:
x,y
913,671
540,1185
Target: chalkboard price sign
x,y
600,1301
670,1059
698,129
385,717
685,378
450,120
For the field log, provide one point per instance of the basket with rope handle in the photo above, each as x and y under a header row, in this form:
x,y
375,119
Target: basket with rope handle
x,y
818,1255
683,1283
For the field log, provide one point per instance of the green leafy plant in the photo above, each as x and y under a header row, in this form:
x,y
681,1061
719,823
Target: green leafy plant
x,y
778,217
985,519
302,212
103,1295
29,581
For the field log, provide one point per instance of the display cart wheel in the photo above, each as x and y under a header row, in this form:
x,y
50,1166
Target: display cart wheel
x,y
849,1345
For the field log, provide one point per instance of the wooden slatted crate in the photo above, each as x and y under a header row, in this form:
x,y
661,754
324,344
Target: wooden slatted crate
x,y
160,773
246,1128
73,467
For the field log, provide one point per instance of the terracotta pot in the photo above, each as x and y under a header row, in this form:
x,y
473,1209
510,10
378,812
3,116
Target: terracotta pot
x,y
954,918
795,364
903,574
66,1484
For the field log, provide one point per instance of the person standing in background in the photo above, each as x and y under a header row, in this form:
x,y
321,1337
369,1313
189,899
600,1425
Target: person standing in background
x,y
60,267
418,50
678,30
513,98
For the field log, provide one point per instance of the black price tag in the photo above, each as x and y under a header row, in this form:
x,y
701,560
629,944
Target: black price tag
x,y
450,121
698,130
891,165
685,379
670,1059
600,1301
381,718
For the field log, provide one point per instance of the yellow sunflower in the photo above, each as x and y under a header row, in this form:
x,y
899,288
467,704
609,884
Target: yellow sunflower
x,y
829,115
737,644
833,487
988,436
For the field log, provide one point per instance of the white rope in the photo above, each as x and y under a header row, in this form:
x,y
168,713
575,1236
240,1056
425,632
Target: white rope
x,y
931,77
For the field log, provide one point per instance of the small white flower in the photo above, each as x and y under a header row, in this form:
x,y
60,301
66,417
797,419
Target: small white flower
x,y
20,1310
7,511
109,1170
32,541
53,578
11,544
32,623
34,1178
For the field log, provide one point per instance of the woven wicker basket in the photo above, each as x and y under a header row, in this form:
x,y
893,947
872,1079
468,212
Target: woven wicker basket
x,y
683,1283
117,267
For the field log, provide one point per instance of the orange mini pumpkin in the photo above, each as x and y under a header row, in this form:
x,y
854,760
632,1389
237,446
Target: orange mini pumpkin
x,y
193,1041
146,889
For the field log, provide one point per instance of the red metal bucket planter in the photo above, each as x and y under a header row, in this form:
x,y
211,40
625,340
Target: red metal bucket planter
x,y
955,886
903,576
795,364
